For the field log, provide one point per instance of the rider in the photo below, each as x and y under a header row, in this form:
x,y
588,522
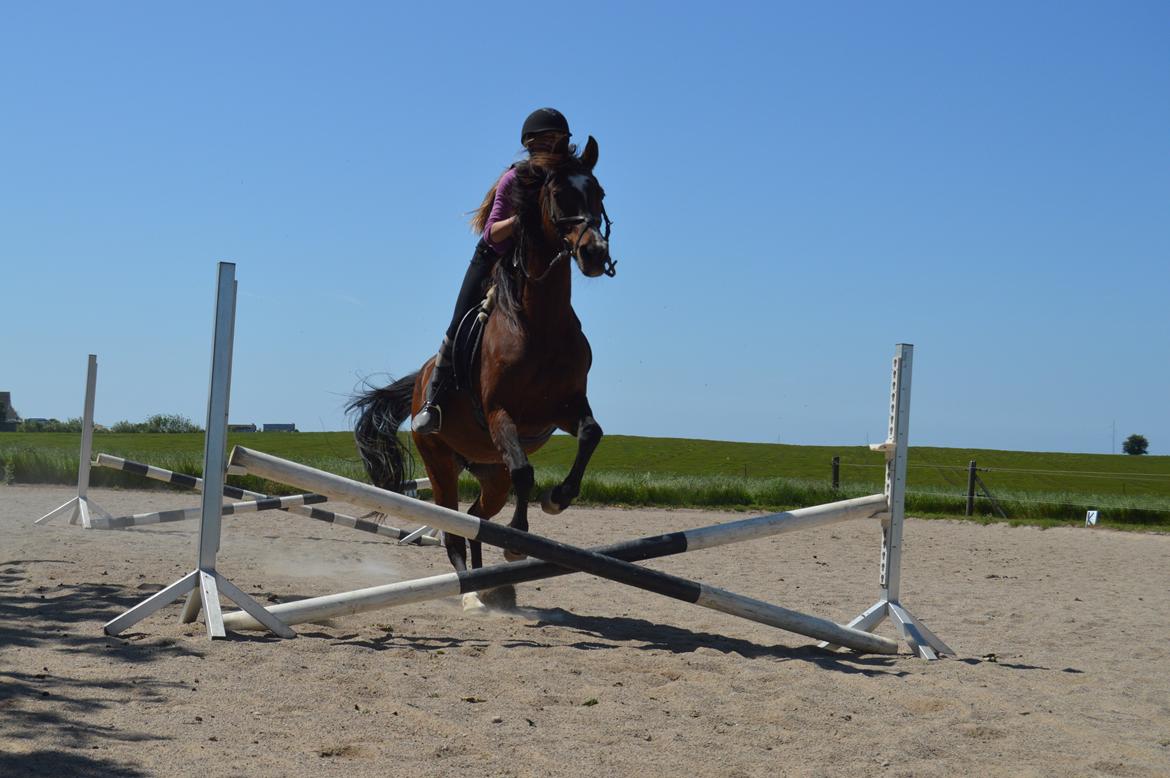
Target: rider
x,y
545,135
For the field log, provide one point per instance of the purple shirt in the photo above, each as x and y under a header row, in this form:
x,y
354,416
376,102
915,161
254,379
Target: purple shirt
x,y
501,209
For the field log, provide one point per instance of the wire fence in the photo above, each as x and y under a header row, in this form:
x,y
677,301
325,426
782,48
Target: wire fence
x,y
955,497
982,469
1015,498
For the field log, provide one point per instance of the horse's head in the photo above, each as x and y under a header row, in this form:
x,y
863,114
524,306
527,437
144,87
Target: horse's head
x,y
574,213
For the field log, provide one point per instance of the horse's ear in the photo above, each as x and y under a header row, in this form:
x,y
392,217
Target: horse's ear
x,y
589,155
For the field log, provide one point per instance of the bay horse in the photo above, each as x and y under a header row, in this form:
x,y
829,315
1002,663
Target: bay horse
x,y
533,368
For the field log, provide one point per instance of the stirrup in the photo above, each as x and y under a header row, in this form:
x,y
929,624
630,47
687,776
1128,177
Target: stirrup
x,y
427,421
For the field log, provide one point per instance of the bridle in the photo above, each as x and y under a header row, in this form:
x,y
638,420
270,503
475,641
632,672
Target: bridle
x,y
590,222
570,248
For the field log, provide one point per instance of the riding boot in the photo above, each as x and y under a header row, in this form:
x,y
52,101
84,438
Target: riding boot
x,y
429,419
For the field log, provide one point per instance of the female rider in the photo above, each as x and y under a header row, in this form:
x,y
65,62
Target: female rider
x,y
545,135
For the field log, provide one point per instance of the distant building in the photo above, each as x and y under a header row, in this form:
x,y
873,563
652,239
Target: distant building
x,y
280,428
241,428
9,418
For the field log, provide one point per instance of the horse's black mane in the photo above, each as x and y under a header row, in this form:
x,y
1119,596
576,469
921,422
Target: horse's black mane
x,y
528,234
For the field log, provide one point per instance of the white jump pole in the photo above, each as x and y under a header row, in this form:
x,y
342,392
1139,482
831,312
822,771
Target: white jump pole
x,y
564,555
205,583
81,506
653,547
921,640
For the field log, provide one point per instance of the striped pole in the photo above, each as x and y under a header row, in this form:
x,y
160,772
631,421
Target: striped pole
x,y
234,492
184,514
653,547
561,554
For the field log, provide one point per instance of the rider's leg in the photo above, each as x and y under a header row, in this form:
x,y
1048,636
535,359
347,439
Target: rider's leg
x,y
430,417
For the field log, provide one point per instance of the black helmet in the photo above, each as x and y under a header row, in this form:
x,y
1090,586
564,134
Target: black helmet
x,y
543,120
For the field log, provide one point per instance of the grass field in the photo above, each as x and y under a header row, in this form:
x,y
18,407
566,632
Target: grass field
x,y
681,472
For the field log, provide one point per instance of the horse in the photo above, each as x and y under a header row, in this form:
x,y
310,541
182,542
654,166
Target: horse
x,y
532,371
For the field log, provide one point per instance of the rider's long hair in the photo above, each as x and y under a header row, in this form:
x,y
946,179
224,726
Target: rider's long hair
x,y
536,158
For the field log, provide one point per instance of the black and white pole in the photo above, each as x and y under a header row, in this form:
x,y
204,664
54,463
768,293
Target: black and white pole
x,y
921,640
317,514
231,509
205,583
82,507
561,554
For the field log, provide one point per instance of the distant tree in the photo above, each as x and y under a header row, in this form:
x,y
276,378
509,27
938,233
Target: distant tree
x,y
171,422
160,422
1136,445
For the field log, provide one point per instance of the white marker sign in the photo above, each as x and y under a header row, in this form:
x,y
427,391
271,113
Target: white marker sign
x,y
1090,518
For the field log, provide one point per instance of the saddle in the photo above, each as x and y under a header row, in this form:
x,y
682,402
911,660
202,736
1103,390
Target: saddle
x,y
468,340
465,360
466,351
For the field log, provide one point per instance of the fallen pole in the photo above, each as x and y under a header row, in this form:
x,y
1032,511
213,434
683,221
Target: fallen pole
x,y
185,514
317,514
564,555
652,547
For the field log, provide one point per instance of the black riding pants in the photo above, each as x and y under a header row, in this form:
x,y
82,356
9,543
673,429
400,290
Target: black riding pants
x,y
471,292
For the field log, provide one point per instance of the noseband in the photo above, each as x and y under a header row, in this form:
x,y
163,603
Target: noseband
x,y
590,222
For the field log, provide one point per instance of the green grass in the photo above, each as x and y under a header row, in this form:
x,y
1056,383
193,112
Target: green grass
x,y
690,473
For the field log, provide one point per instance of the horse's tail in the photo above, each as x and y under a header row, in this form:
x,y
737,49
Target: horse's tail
x,y
380,414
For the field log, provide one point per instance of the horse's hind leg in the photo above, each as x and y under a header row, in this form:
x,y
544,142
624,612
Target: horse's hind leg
x,y
443,470
588,433
507,440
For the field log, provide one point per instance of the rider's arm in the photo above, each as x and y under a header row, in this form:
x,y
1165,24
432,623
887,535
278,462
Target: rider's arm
x,y
501,221
501,230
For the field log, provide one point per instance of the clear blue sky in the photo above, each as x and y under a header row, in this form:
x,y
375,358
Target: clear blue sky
x,y
795,188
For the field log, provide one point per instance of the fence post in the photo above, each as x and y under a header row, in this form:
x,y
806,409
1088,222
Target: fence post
x,y
836,473
971,488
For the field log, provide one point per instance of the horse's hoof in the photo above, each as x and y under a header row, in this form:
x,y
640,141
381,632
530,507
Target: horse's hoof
x,y
500,598
513,556
472,603
548,504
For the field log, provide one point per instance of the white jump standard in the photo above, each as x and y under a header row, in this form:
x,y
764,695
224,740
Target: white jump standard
x,y
562,554
921,640
81,507
204,584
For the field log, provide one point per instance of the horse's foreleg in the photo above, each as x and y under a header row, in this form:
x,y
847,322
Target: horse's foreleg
x,y
588,433
507,440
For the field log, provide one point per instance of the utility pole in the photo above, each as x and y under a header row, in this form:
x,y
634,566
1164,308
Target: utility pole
x,y
1114,447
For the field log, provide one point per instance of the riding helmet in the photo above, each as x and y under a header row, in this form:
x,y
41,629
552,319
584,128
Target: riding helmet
x,y
544,120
